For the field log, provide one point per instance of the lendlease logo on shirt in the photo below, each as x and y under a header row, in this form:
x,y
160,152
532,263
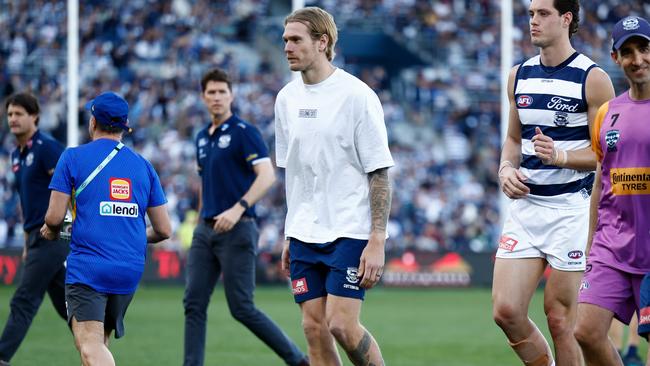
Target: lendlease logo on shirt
x,y
123,209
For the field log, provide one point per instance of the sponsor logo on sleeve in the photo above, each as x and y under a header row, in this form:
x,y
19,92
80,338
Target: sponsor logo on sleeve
x,y
524,101
120,189
584,286
299,286
121,209
507,243
630,181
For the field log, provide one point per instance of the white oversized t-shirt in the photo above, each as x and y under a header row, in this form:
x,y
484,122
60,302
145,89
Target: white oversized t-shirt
x,y
329,136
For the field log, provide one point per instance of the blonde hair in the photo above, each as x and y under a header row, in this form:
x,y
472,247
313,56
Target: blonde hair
x,y
318,22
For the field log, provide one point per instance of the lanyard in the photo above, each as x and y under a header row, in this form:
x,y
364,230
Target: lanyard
x,y
98,169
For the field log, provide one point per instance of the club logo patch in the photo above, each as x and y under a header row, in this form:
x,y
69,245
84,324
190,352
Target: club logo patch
x,y
352,275
561,119
631,23
120,189
524,101
507,243
29,160
224,141
299,286
611,138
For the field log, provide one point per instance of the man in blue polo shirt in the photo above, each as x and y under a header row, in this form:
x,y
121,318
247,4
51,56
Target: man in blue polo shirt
x,y
111,188
236,172
33,163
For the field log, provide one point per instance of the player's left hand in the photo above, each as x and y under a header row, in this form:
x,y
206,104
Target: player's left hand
x,y
544,147
226,220
48,234
371,265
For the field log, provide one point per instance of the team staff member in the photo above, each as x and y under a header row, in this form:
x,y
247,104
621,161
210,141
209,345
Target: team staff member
x,y
331,139
236,172
111,188
546,169
620,209
33,163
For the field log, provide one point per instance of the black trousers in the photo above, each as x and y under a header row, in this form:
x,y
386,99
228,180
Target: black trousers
x,y
233,255
43,271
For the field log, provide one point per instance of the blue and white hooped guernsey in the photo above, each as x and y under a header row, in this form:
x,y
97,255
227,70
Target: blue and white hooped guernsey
x,y
553,99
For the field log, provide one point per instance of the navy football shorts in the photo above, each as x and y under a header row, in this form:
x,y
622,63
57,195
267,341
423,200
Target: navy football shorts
x,y
326,268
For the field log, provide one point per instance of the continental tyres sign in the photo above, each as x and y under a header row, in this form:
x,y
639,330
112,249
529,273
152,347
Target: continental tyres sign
x,y
630,181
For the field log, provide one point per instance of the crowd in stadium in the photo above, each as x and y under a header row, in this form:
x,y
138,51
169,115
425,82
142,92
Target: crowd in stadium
x,y
443,119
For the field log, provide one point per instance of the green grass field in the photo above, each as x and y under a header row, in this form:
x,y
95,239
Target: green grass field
x,y
414,328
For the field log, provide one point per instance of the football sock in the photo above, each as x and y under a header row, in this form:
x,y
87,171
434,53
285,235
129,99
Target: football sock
x,y
631,350
533,350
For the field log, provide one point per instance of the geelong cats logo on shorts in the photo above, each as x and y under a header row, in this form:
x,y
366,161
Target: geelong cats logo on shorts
x,y
611,138
352,275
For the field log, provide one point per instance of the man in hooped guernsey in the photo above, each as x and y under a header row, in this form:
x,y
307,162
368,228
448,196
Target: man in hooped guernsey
x,y
616,282
546,169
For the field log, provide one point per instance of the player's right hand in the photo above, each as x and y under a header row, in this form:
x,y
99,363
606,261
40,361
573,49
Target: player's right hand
x,y
512,183
285,259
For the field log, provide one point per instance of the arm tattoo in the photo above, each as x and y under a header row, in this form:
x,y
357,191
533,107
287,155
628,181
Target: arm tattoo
x,y
380,199
360,356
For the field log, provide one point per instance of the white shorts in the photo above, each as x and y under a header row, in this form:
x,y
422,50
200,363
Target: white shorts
x,y
555,234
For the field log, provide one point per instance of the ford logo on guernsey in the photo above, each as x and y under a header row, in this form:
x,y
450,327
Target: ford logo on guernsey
x,y
575,254
524,101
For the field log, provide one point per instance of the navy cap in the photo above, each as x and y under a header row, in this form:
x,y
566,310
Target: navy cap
x,y
627,28
110,109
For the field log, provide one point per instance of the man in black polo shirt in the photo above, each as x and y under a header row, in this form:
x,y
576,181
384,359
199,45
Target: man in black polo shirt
x,y
236,172
33,163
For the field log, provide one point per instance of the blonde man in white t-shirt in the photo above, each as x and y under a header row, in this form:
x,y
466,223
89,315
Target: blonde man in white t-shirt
x,y
331,138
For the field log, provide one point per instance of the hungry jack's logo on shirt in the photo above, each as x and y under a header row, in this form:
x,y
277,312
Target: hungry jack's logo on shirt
x,y
629,181
120,189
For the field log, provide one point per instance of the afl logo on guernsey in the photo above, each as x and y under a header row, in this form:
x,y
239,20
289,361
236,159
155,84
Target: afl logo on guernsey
x,y
524,101
120,189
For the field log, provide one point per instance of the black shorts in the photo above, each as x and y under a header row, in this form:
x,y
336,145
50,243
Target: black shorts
x,y
84,304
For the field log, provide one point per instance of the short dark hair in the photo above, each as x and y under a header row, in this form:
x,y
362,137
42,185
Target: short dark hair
x,y
113,130
215,74
566,6
26,100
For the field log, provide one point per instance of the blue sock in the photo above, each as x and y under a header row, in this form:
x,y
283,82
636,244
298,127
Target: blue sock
x,y
631,350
